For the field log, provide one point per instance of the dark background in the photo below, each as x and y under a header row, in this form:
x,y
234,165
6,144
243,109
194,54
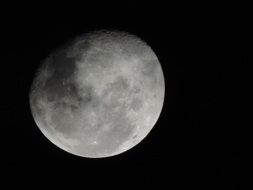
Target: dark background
x,y
203,137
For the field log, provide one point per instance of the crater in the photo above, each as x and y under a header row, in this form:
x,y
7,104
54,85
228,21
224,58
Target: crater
x,y
136,104
79,49
135,136
100,59
149,67
120,84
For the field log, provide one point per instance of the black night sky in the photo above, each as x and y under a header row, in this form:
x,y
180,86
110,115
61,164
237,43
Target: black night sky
x,y
203,138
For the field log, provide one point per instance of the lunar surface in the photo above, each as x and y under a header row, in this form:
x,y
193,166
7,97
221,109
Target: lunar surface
x,y
98,95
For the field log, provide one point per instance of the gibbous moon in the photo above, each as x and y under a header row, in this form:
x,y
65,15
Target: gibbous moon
x,y
98,95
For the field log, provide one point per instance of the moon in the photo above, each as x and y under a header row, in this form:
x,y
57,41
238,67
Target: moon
x,y
98,95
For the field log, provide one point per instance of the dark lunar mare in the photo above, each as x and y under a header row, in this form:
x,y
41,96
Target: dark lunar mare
x,y
80,48
59,84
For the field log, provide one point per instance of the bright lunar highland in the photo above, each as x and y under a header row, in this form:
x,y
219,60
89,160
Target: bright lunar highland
x,y
98,95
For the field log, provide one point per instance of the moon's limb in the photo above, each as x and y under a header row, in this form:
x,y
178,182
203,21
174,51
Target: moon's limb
x,y
100,97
